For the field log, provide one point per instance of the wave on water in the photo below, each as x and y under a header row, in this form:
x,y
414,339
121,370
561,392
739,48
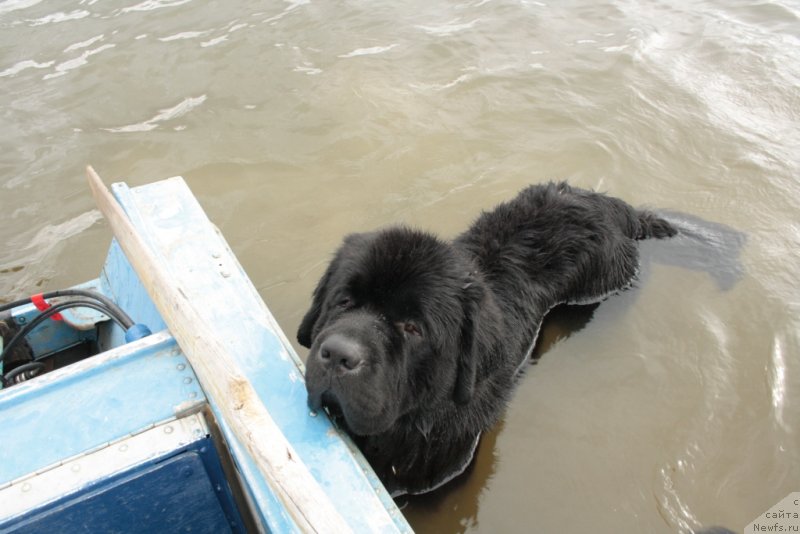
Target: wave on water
x,y
164,115
368,51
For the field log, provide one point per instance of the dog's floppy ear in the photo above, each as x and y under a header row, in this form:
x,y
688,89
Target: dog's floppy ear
x,y
312,315
470,343
306,330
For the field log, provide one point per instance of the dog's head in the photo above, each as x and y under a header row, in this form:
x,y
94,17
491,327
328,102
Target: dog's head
x,y
391,329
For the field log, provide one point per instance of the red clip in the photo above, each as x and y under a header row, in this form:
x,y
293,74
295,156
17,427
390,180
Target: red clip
x,y
42,305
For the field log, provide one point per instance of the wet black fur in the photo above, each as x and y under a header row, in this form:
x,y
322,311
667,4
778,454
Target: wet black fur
x,y
415,342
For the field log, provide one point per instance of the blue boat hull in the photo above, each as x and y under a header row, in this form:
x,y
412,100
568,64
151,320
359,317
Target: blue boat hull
x,y
66,424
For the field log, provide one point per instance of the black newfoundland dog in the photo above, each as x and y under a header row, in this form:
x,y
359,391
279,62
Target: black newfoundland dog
x,y
416,342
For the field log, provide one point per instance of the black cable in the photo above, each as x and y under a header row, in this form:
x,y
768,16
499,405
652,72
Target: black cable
x,y
14,304
24,331
8,378
126,321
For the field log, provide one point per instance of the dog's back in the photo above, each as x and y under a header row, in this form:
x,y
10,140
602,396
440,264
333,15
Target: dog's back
x,y
555,243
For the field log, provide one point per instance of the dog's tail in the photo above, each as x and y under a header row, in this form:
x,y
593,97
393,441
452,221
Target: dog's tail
x,y
651,225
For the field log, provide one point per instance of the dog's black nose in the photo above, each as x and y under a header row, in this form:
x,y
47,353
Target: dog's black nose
x,y
340,353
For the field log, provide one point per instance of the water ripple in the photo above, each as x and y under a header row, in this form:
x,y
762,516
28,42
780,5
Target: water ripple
x,y
23,65
14,5
184,35
214,41
293,4
150,5
72,64
672,507
368,51
52,235
448,28
83,44
184,107
778,380
60,17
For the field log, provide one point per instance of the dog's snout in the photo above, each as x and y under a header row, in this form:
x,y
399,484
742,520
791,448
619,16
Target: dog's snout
x,y
341,353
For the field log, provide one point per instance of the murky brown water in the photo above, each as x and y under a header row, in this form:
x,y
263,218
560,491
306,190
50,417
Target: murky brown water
x,y
674,405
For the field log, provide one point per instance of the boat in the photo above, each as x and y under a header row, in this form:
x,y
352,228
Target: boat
x,y
163,396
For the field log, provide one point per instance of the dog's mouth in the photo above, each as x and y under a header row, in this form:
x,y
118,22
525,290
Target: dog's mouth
x,y
353,422
357,399
327,401
330,404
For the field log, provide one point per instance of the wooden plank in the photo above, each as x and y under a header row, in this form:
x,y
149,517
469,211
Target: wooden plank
x,y
221,377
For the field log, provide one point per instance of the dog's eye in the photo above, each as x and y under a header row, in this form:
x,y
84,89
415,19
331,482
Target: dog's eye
x,y
411,328
345,302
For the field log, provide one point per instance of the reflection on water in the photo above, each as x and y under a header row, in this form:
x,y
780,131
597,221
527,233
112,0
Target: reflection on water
x,y
704,246
454,508
672,406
